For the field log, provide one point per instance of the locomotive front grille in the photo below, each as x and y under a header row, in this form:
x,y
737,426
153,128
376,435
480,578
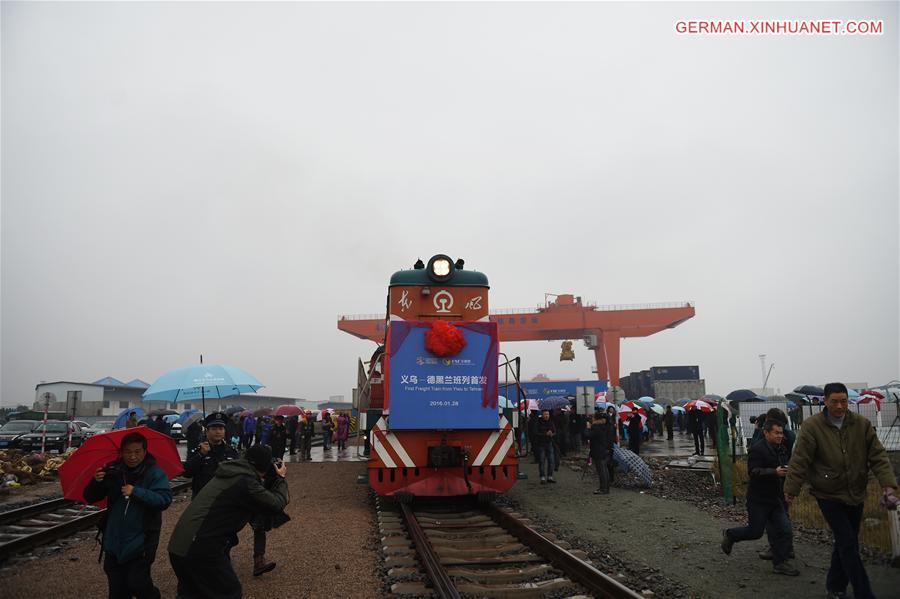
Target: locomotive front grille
x,y
445,456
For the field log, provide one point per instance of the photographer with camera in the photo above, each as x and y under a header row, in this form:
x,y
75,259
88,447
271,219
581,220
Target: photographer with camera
x,y
263,523
207,530
201,465
137,492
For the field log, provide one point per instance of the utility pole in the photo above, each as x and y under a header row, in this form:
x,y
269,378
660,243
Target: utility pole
x,y
46,397
762,366
585,397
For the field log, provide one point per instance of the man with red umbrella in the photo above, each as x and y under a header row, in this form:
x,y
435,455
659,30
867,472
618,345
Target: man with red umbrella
x,y
137,491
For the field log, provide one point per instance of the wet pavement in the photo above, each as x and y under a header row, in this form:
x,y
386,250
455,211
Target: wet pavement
x,y
679,446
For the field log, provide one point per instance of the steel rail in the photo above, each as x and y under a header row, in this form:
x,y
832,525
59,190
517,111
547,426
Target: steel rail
x,y
14,515
590,577
43,536
443,585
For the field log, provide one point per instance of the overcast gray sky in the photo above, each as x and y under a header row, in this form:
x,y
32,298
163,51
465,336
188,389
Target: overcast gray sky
x,y
227,179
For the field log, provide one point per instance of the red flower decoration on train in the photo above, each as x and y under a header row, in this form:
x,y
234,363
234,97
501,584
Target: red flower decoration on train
x,y
444,339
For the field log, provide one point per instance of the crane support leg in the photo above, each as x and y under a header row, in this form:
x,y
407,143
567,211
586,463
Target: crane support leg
x,y
607,356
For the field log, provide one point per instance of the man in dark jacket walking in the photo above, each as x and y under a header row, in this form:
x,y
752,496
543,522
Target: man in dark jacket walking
x,y
766,465
835,452
308,429
292,433
200,544
601,438
193,434
695,427
137,492
544,434
201,465
635,430
669,421
278,438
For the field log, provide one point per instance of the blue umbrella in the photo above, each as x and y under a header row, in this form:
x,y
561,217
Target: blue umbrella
x,y
645,399
628,461
678,409
123,416
601,405
200,382
185,415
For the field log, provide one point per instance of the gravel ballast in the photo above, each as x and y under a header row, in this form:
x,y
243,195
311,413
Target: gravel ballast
x,y
670,546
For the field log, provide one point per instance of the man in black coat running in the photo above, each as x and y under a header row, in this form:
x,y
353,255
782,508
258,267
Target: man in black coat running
x,y
766,464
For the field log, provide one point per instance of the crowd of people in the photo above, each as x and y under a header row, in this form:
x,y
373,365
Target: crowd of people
x,y
834,453
237,472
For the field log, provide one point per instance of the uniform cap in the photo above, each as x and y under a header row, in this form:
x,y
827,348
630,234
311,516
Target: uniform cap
x,y
216,419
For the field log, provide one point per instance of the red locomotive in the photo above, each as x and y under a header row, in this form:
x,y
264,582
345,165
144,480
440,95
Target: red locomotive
x,y
430,392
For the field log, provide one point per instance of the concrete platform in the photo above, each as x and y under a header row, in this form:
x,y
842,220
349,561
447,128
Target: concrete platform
x,y
679,446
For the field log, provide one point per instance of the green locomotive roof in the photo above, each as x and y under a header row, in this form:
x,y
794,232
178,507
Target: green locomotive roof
x,y
457,278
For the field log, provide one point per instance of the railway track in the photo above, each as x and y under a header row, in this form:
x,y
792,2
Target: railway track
x,y
468,549
42,523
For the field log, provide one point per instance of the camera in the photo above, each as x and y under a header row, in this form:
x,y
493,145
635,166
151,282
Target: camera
x,y
753,420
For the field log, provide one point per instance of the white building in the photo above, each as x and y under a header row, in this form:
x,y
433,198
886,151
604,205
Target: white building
x,y
106,397
109,396
250,401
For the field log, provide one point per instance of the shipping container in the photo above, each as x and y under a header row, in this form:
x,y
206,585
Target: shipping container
x,y
646,386
672,391
675,373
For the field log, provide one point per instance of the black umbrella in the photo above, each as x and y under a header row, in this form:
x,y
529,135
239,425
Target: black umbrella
x,y
743,395
161,412
797,398
233,410
810,390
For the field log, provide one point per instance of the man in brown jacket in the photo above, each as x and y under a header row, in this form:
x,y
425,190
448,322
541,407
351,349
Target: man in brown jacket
x,y
834,453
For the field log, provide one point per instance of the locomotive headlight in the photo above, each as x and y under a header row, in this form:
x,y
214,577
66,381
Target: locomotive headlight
x,y
441,267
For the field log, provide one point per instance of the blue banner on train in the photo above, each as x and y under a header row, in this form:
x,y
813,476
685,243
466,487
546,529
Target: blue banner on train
x,y
428,392
542,389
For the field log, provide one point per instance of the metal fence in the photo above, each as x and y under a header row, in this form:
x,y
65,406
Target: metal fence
x,y
885,421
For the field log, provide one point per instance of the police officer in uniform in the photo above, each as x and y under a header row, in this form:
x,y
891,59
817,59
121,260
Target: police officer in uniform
x,y
201,465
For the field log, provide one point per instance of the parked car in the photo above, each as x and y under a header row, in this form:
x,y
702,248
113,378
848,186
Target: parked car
x,y
103,426
82,424
174,427
13,430
57,436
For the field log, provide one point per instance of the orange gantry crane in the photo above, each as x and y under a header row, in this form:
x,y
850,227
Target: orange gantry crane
x,y
601,327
